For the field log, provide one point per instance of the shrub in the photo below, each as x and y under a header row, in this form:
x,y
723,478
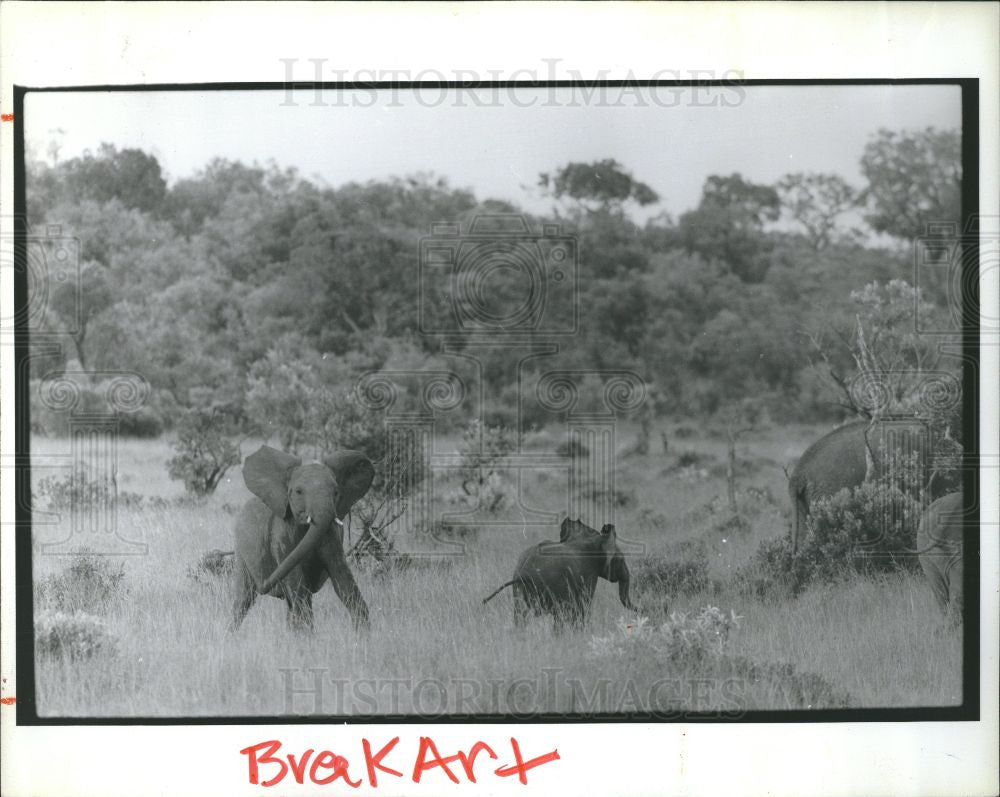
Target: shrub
x,y
683,638
621,497
772,572
868,529
73,635
682,569
212,567
76,489
483,483
204,451
694,649
90,583
144,423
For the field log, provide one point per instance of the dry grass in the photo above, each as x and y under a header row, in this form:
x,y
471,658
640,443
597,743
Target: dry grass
x,y
434,648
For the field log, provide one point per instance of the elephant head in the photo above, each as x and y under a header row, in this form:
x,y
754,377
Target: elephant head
x,y
314,495
601,549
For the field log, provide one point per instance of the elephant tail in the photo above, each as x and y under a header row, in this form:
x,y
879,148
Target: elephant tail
x,y
499,590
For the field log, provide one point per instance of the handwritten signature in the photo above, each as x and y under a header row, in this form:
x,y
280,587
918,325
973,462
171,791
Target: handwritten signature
x,y
325,767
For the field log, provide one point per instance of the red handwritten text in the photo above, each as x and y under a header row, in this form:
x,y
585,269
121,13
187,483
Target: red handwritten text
x,y
266,767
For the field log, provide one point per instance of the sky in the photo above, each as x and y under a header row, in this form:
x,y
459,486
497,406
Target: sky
x,y
496,143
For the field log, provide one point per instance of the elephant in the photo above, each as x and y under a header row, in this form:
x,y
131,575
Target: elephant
x,y
559,578
940,548
849,455
289,536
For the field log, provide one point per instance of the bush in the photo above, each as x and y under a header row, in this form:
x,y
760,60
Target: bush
x,y
694,649
772,572
683,638
680,570
212,567
869,529
143,423
49,416
90,583
74,635
204,451
483,482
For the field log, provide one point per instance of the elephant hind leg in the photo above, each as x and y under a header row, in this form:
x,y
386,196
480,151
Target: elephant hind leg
x,y
955,592
936,580
245,594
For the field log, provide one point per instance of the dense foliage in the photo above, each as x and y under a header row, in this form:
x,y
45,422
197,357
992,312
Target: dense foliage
x,y
251,290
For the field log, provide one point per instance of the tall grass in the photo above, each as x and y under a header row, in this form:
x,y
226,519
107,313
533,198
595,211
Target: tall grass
x,y
434,648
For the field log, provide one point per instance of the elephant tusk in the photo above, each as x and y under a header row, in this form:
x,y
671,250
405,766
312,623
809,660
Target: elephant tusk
x,y
338,521
309,519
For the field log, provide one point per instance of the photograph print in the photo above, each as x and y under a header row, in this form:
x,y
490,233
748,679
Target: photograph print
x,y
645,401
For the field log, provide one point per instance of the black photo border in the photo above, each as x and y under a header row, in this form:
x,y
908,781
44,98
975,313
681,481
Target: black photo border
x,y
969,710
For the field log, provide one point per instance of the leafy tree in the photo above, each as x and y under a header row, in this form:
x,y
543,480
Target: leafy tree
x,y
205,451
913,179
599,186
727,226
815,201
130,175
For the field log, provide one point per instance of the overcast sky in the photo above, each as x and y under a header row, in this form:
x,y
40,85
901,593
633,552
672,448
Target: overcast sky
x,y
671,140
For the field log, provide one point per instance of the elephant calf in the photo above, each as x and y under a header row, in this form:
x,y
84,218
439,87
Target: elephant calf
x,y
559,578
289,536
940,544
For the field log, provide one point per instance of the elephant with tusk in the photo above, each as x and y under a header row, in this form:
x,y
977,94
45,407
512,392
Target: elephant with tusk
x,y
559,578
290,537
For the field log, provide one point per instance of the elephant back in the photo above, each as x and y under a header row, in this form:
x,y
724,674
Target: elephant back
x,y
941,525
835,461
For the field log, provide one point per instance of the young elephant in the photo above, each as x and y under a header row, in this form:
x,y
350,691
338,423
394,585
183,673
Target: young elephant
x,y
559,578
939,543
289,538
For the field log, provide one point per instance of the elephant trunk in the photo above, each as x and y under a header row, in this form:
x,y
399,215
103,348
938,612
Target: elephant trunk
x,y
319,526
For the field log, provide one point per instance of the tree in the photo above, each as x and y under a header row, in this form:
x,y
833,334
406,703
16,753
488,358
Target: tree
x,y
76,305
129,175
204,451
727,226
602,186
815,201
913,179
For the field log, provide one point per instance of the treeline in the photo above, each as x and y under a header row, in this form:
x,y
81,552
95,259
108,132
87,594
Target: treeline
x,y
244,288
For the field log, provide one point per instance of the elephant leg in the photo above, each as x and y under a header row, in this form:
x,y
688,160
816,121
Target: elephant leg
x,y
956,590
935,578
245,594
344,585
300,611
800,509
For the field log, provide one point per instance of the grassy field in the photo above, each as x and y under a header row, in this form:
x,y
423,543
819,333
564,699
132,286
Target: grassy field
x,y
435,649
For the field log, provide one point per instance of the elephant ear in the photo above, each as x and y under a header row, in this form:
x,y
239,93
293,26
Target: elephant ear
x,y
354,473
571,529
266,473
